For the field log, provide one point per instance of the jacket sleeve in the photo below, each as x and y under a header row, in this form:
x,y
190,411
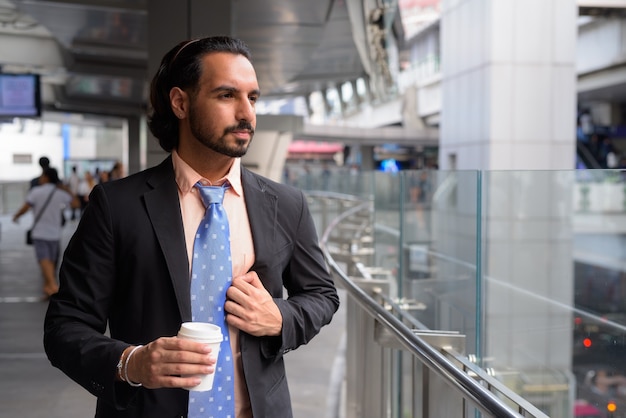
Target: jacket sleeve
x,y
311,299
77,316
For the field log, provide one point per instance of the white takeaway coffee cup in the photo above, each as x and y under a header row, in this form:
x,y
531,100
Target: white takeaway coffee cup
x,y
205,333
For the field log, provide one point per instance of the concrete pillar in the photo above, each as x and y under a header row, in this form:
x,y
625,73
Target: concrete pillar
x,y
509,102
509,84
367,158
344,102
328,108
358,100
268,150
136,144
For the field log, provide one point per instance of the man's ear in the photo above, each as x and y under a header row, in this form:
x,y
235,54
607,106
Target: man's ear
x,y
179,102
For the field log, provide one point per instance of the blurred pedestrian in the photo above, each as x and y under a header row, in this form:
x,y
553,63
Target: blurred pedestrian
x,y
73,183
117,172
87,183
46,200
44,163
104,177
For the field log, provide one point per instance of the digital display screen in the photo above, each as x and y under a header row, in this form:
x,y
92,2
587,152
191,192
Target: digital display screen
x,y
19,95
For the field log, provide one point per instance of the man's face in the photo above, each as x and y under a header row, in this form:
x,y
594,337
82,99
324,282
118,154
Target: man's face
x,y
222,114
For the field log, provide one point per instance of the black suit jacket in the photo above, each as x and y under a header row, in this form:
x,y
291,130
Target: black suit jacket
x,y
126,268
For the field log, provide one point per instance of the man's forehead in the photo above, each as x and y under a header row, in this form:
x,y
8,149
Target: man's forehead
x,y
227,69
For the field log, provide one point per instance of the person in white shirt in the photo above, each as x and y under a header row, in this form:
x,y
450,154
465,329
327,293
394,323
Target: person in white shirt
x,y
73,183
85,186
47,200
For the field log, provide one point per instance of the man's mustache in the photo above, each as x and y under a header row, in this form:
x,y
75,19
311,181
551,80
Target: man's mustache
x,y
242,126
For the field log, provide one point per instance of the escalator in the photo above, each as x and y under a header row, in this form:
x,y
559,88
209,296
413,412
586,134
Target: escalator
x,y
584,157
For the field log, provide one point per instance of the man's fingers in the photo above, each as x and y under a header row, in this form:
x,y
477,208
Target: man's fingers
x,y
237,294
247,285
249,278
179,344
165,361
178,382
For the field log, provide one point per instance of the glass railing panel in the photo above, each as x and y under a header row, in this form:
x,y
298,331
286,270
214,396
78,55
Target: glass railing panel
x,y
321,177
553,257
527,274
387,198
599,287
427,235
439,237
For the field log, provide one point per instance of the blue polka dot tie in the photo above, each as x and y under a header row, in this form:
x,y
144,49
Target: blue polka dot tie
x,y
211,275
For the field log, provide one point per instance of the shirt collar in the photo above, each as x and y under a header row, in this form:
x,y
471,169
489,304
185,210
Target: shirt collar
x,y
187,177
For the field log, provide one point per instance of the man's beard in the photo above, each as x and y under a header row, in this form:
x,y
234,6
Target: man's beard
x,y
219,144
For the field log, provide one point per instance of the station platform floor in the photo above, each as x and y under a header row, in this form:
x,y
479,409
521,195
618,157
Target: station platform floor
x,y
31,387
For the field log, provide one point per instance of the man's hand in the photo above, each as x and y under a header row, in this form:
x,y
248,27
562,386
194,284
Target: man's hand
x,y
250,307
20,212
170,362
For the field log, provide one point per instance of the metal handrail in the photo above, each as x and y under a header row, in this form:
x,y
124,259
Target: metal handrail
x,y
482,397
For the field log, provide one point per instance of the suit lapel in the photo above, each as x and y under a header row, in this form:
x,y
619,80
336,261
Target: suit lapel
x,y
262,206
163,208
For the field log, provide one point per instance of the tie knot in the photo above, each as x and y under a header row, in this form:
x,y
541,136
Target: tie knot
x,y
211,194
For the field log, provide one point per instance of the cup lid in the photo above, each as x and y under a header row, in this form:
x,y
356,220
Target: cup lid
x,y
200,330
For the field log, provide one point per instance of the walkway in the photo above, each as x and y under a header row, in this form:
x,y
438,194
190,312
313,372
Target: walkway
x,y
31,387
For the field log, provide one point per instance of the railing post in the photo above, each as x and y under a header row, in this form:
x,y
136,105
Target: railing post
x,y
367,391
431,395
